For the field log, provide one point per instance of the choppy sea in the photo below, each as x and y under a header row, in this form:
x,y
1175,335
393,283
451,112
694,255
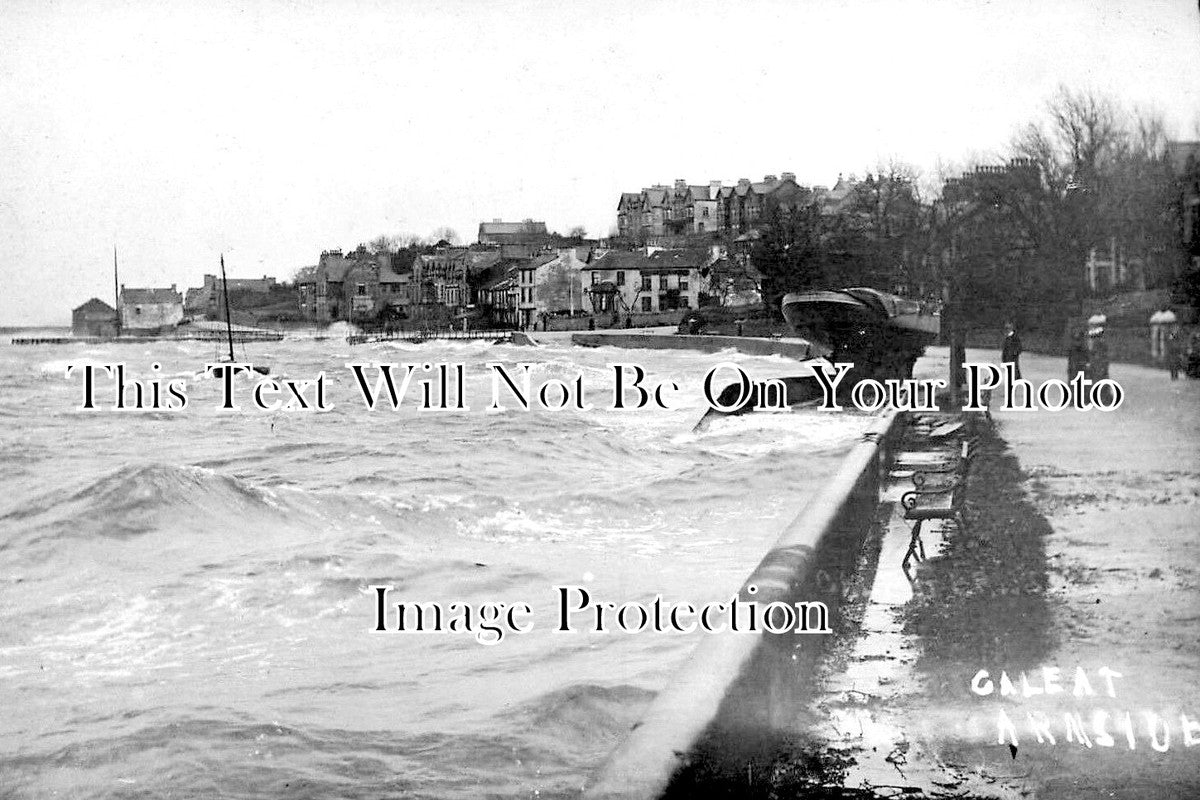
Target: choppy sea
x,y
185,607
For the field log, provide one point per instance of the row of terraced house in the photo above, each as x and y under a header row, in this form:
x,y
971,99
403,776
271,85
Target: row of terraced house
x,y
507,284
666,215
514,275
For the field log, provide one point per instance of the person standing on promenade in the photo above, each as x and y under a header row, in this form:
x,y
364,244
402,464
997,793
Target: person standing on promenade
x,y
1077,360
1077,356
1097,355
1192,358
1174,354
1010,350
1098,360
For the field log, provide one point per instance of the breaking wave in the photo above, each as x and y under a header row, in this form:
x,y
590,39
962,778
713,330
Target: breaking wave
x,y
188,596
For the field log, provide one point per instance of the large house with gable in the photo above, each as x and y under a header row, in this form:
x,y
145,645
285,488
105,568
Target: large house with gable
x,y
624,281
358,287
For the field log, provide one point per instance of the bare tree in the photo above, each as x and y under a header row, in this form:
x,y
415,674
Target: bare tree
x,y
445,233
1105,179
382,244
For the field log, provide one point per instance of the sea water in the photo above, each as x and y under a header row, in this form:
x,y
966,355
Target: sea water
x,y
185,596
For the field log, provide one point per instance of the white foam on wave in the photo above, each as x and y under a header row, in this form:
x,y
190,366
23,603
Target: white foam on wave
x,y
137,634
513,524
763,432
59,366
438,502
408,347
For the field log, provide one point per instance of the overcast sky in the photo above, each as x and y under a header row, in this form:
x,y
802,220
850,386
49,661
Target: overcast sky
x,y
272,130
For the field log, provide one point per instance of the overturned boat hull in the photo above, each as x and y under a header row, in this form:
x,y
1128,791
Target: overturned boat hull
x,y
881,334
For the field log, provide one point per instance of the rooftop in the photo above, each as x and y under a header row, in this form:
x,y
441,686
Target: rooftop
x,y
150,296
498,228
96,304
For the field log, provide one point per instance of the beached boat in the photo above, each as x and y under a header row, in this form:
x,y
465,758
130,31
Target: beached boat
x,y
882,334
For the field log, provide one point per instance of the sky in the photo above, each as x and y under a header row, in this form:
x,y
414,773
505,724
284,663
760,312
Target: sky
x,y
270,131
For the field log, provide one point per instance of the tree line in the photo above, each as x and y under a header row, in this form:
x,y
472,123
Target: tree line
x,y
1003,241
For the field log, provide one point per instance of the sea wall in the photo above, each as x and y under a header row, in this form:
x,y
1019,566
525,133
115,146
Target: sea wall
x,y
743,691
604,321
789,348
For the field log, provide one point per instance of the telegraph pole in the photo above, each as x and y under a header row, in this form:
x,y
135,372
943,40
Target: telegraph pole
x,y
117,290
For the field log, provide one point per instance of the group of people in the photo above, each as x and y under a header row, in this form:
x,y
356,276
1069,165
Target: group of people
x,y
1181,357
1087,353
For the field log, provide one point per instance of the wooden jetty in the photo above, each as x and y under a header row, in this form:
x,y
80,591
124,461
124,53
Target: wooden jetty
x,y
194,333
59,340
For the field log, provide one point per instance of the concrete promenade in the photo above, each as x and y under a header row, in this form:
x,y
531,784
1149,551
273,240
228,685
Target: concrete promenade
x,y
1121,492
1055,652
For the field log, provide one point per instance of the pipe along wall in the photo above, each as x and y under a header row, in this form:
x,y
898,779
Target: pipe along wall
x,y
741,694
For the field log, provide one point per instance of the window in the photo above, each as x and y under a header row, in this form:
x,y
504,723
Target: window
x,y
662,281
646,303
620,278
683,283
704,212
646,283
362,289
683,302
595,277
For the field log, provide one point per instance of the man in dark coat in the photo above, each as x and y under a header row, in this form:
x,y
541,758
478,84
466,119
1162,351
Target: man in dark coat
x,y
1077,356
1174,349
1077,360
1010,350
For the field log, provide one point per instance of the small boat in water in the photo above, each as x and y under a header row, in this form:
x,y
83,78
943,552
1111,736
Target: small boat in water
x,y
881,333
218,372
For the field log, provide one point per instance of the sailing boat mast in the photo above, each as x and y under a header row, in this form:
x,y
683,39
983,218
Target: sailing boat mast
x,y
228,323
116,290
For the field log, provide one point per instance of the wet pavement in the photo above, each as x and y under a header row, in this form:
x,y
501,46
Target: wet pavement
x,y
1050,649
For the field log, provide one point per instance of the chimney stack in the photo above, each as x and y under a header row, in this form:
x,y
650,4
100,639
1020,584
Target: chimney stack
x,y
769,179
789,176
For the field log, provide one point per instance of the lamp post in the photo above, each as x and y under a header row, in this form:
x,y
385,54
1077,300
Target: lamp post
x,y
952,317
